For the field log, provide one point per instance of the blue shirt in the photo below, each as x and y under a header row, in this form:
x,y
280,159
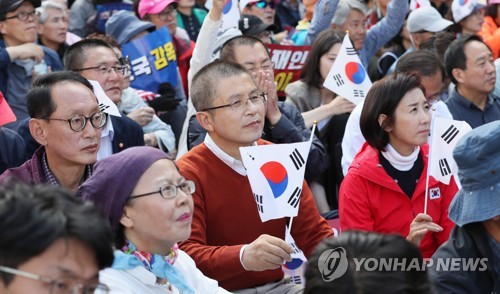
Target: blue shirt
x,y
463,109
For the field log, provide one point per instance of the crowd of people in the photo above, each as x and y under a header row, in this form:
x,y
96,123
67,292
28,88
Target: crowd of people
x,y
107,186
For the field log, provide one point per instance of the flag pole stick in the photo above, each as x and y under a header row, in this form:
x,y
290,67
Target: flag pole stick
x,y
428,164
290,226
313,130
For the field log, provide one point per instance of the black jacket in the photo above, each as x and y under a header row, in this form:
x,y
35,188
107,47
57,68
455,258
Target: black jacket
x,y
289,129
469,241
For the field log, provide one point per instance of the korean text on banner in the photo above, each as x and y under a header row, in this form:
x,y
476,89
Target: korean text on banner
x,y
152,60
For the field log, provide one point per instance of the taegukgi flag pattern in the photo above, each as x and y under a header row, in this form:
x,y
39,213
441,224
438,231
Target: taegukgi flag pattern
x,y
230,14
276,176
445,134
348,77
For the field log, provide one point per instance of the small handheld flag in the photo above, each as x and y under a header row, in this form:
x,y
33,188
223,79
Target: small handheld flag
x,y
348,77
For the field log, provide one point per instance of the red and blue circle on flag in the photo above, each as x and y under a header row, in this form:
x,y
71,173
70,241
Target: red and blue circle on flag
x,y
277,177
355,72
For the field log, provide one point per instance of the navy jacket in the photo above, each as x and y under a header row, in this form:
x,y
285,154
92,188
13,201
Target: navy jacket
x,y
469,241
11,149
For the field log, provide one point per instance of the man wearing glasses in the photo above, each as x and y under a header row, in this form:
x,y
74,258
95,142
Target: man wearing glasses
x,y
19,54
95,60
263,9
229,242
50,242
66,122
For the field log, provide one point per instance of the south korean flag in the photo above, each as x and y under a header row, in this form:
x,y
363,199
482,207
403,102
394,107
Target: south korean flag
x,y
348,77
276,175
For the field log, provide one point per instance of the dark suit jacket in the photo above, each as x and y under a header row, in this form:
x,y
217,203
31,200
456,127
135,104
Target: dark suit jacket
x,y
127,134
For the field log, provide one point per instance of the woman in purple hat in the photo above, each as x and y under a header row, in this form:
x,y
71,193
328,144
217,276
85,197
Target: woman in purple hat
x,y
150,208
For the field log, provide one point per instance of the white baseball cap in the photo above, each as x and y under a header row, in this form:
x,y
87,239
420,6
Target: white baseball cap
x,y
426,19
463,8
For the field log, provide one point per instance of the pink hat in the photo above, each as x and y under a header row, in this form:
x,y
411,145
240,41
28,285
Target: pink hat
x,y
153,6
6,114
490,2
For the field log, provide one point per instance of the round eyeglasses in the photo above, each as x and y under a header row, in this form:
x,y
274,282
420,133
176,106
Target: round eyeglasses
x,y
24,15
59,286
169,191
106,70
78,122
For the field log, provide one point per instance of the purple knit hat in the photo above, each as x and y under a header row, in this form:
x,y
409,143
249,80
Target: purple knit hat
x,y
115,177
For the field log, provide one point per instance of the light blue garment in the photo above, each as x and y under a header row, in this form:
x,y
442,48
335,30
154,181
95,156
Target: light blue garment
x,y
160,268
376,37
496,92
130,101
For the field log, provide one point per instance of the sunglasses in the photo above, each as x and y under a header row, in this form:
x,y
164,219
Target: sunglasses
x,y
263,4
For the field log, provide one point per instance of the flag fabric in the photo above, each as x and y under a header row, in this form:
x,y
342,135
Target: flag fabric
x,y
445,134
348,77
416,4
230,14
295,268
105,103
276,175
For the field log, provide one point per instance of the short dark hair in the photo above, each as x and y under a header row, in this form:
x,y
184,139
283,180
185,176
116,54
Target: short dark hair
x,y
454,57
32,218
39,98
491,10
421,63
206,82
357,244
108,39
76,56
324,42
383,98
227,50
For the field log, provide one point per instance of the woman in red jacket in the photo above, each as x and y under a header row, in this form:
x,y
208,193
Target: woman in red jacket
x,y
384,189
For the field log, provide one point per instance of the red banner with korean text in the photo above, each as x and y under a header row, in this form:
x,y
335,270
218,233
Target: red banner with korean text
x,y
288,62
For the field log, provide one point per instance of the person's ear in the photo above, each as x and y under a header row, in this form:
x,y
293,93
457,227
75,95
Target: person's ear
x,y
382,122
458,74
39,28
38,130
126,221
205,119
333,26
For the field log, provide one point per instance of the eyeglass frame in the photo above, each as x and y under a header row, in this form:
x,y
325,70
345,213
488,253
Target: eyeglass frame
x,y
262,95
166,12
32,13
176,190
271,4
262,66
124,69
84,122
53,282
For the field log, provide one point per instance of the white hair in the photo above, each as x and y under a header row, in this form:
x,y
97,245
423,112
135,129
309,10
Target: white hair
x,y
49,4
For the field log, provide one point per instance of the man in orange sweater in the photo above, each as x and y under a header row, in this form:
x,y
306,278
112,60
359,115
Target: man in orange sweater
x,y
228,241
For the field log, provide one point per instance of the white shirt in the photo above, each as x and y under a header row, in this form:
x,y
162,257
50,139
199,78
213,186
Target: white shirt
x,y
353,138
107,135
140,280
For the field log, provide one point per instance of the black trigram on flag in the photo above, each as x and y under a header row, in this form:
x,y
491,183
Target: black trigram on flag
x,y
444,167
297,280
295,197
258,199
296,249
103,107
358,93
450,134
297,159
350,51
338,80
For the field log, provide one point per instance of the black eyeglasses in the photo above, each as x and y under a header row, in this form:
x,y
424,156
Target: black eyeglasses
x,y
169,191
106,70
263,4
78,122
238,104
24,15
57,286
